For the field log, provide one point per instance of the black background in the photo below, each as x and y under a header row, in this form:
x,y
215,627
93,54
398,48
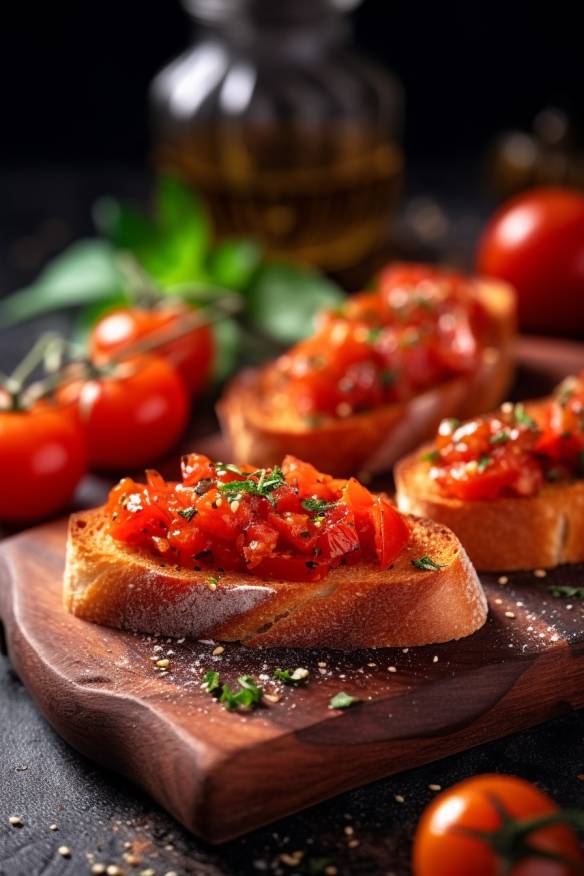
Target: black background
x,y
74,73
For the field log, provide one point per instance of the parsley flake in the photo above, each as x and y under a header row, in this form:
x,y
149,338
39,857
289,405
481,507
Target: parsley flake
x,y
522,418
247,696
318,505
500,437
342,700
484,461
211,681
260,483
566,591
431,456
427,564
291,676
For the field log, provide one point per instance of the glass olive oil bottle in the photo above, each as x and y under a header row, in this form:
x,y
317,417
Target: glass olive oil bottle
x,y
289,135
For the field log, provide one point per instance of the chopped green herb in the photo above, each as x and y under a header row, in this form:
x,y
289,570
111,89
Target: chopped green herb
x,y
261,483
388,377
342,700
566,591
500,437
187,513
211,681
373,334
212,581
522,418
222,467
484,461
427,564
247,697
291,676
318,505
431,456
449,425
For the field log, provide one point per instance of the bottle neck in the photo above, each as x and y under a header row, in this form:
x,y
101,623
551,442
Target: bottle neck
x,y
298,27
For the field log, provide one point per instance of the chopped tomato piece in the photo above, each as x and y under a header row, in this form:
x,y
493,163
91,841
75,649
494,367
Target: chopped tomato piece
x,y
391,531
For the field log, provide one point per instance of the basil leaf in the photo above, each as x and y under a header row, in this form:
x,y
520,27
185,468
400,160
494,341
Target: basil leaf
x,y
283,301
233,263
85,272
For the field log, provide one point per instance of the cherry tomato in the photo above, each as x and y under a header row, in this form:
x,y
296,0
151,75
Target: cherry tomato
x,y
444,844
133,416
536,243
191,354
42,459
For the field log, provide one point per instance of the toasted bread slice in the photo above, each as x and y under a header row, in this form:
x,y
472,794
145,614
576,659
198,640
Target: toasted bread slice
x,y
357,606
534,532
261,429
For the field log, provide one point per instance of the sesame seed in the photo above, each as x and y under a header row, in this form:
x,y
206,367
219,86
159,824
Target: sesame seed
x,y
398,798
218,650
434,787
331,870
435,658
15,821
234,505
272,698
392,668
98,868
53,827
148,872
300,674
162,664
540,573
372,665
64,851
113,870
510,614
321,663
498,601
503,579
353,843
218,502
349,830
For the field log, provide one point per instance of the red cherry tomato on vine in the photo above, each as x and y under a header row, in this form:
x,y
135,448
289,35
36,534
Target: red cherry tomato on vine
x,y
444,844
536,242
133,416
42,459
192,353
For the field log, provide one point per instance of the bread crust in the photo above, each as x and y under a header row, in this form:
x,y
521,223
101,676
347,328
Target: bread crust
x,y
373,440
533,532
353,607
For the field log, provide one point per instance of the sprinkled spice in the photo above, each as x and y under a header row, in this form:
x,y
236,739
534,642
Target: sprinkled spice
x,y
15,821
64,851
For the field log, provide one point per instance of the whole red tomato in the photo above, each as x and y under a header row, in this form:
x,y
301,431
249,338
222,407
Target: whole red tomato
x,y
447,840
192,353
536,242
133,415
42,459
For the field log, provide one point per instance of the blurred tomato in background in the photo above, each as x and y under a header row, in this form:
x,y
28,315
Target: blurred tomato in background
x,y
535,241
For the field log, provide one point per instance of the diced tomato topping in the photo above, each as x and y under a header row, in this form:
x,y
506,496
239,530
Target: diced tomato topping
x,y
418,327
292,523
511,452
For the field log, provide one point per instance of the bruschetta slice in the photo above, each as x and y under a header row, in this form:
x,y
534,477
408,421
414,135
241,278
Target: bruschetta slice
x,y
510,484
284,557
378,374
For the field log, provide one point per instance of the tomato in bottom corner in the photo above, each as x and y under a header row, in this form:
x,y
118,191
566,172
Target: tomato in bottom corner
x,y
481,827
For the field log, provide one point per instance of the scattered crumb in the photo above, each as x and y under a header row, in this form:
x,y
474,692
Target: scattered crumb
x,y
435,658
53,827
399,798
510,614
218,650
15,821
503,579
164,663
272,698
392,668
98,868
434,787
349,830
64,851
540,573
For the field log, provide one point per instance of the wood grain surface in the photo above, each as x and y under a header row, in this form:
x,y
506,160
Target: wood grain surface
x,y
222,774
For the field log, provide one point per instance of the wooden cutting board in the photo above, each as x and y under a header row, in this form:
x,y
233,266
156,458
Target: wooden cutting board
x,y
222,774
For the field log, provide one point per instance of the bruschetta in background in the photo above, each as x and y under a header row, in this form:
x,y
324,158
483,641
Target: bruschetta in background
x,y
282,556
510,484
378,374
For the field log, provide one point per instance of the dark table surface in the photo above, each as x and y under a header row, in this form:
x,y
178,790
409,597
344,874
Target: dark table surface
x,y
64,800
